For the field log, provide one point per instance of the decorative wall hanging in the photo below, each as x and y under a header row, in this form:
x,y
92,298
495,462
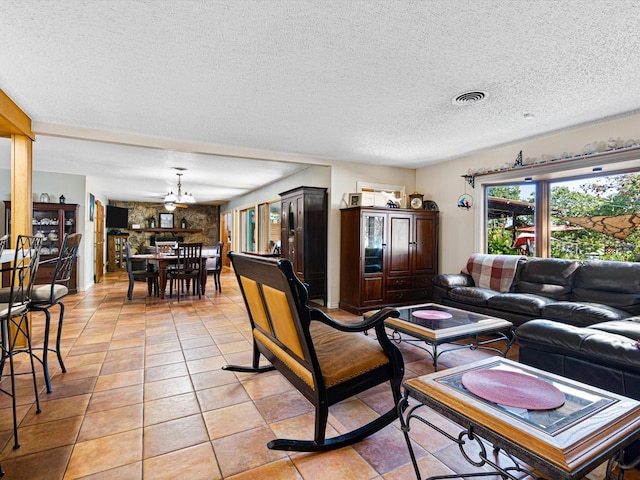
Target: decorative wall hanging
x,y
92,206
166,220
465,200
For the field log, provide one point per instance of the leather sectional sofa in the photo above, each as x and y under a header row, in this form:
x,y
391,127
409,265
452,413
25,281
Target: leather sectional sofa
x,y
579,293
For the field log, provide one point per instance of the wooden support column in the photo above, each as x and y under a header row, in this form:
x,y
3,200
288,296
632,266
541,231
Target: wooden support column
x,y
14,123
21,187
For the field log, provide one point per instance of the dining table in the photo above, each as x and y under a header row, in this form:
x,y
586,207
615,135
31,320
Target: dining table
x,y
7,255
164,260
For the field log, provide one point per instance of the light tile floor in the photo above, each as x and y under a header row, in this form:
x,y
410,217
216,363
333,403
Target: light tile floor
x,y
144,397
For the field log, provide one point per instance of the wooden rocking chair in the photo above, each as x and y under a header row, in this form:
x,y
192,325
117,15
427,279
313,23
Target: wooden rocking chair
x,y
326,360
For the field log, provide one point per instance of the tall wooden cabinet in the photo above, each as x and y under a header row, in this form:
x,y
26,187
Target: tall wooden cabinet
x,y
115,252
388,257
51,221
304,236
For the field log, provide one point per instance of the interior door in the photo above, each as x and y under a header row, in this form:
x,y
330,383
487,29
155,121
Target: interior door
x,y
99,242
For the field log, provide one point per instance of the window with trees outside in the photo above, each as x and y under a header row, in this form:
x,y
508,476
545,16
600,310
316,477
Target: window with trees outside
x,y
593,217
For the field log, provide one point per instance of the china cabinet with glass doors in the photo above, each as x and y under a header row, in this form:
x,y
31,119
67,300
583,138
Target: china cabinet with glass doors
x,y
388,257
51,221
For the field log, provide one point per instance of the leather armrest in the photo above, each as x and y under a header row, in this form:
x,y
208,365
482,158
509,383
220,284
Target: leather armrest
x,y
451,280
596,346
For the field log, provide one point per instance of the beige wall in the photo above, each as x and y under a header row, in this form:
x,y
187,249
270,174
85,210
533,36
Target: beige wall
x,y
459,228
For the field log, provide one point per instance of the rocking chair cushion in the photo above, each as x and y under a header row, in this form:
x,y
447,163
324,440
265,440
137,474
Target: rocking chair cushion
x,y
343,356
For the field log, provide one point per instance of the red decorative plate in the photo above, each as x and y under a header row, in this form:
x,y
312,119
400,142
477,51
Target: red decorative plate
x,y
513,389
431,314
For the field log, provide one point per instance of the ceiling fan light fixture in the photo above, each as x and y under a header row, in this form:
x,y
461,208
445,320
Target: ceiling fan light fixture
x,y
169,206
186,198
179,198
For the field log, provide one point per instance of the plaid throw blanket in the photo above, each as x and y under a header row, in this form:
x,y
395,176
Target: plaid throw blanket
x,y
492,271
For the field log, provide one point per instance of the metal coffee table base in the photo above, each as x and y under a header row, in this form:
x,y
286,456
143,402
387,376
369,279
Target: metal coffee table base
x,y
476,344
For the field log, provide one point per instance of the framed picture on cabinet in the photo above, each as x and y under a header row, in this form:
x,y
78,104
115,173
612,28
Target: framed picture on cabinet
x,y
166,220
355,199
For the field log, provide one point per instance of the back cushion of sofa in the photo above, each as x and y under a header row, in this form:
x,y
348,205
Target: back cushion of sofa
x,y
549,277
613,283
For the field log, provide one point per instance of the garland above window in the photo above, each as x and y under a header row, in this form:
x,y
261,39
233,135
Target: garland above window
x,y
592,150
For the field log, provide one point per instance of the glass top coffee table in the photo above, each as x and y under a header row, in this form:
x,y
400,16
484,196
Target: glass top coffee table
x,y
588,427
436,324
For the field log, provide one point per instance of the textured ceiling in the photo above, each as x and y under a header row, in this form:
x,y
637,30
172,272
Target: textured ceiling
x,y
365,81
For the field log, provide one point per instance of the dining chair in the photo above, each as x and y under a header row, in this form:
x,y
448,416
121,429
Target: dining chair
x,y
217,267
166,248
47,296
188,268
3,243
151,276
14,324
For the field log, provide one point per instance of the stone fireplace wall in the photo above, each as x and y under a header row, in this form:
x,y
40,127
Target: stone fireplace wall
x,y
205,217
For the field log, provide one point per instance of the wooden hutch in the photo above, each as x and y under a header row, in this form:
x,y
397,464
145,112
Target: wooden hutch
x,y
388,257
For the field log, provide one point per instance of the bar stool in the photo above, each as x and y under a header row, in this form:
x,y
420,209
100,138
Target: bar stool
x,y
13,317
46,296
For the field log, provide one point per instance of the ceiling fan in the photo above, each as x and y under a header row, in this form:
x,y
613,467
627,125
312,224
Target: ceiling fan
x,y
177,200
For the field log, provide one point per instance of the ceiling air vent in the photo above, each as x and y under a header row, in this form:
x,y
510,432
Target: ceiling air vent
x,y
469,98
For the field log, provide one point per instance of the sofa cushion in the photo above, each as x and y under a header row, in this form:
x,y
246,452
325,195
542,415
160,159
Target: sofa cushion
x,y
519,303
629,327
581,314
549,277
472,295
612,283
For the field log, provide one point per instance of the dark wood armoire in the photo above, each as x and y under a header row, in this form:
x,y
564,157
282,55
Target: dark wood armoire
x,y
304,236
